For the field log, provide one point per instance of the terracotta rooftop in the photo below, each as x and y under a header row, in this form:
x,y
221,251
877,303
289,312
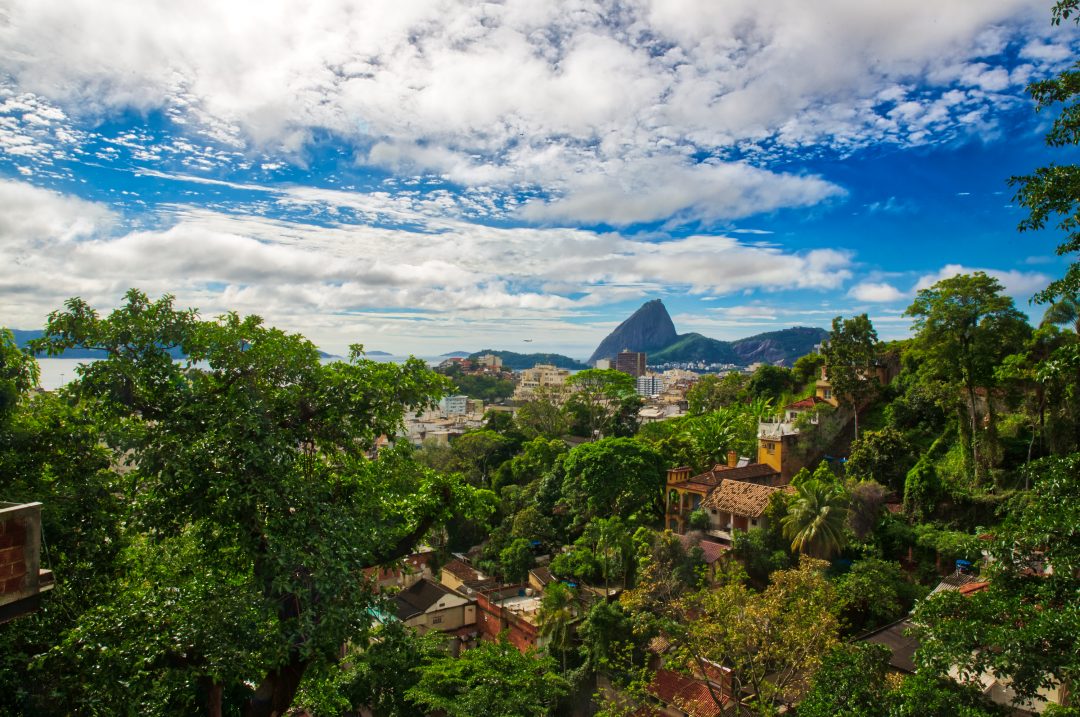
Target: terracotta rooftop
x,y
972,588
711,551
740,498
956,581
808,402
684,693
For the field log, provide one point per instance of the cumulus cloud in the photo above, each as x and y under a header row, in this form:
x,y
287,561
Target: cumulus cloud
x,y
295,273
877,292
611,112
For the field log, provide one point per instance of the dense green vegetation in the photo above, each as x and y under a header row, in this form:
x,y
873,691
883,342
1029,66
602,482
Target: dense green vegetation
x,y
513,361
211,522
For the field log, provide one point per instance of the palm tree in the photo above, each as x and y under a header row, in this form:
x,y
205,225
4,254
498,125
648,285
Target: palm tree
x,y
1063,312
816,519
556,618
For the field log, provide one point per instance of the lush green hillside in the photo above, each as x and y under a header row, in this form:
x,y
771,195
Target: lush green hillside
x,y
775,347
516,362
695,347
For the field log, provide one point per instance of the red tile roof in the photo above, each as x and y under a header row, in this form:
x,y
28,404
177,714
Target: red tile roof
x,y
686,694
971,588
740,498
808,402
711,551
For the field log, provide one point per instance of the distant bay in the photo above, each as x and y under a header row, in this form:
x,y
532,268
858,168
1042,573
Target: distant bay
x,y
56,372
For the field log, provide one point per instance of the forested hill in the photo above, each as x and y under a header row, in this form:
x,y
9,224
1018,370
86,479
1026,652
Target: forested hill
x,y
24,337
517,362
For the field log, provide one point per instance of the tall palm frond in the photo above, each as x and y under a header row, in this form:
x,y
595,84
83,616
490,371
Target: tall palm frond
x,y
816,519
1064,312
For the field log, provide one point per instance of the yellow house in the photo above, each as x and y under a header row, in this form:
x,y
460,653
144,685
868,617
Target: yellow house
x,y
685,493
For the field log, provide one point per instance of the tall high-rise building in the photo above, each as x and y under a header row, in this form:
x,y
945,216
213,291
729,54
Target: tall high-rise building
x,y
631,362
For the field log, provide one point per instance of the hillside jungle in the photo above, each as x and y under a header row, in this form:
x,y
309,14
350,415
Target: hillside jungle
x,y
209,529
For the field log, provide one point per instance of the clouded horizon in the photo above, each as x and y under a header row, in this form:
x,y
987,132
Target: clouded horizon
x,y
426,177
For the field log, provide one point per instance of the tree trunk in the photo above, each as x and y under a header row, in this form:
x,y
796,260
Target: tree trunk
x,y
974,431
213,700
277,690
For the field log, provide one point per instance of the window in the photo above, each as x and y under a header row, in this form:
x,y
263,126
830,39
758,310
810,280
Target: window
x,y
436,620
770,448
753,521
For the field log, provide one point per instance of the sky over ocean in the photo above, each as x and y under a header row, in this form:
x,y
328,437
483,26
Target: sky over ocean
x,y
436,176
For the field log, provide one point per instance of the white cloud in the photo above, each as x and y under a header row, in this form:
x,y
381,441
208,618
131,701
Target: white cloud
x,y
605,109
878,292
444,272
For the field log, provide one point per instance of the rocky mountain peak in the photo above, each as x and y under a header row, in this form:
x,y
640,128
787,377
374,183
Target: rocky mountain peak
x,y
650,328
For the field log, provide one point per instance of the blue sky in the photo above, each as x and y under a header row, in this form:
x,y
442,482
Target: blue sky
x,y
442,176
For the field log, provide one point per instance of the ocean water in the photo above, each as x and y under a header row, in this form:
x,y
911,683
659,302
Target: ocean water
x,y
57,372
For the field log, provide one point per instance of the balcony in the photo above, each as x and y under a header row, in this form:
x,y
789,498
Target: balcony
x,y
22,581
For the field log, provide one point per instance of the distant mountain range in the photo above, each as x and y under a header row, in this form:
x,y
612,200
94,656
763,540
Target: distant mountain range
x,y
23,337
651,330
518,362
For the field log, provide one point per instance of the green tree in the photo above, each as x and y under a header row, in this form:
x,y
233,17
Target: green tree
x,y
376,675
542,417
964,326
18,372
533,524
850,354
1034,578
807,369
250,467
922,695
1063,312
850,683
51,452
770,382
557,616
1052,193
491,679
873,593
515,560
884,456
816,519
773,642
599,395
478,454
733,428
535,459
712,392
607,638
612,477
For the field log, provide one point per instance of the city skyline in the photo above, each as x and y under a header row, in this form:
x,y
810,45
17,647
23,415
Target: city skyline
x,y
433,178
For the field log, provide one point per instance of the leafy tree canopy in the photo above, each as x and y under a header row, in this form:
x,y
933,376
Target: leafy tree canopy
x,y
612,477
491,679
1034,579
249,466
